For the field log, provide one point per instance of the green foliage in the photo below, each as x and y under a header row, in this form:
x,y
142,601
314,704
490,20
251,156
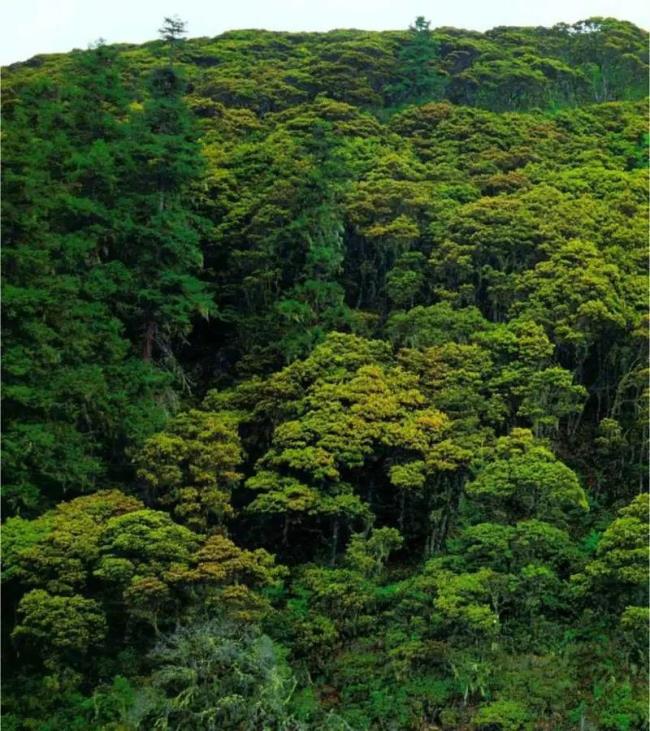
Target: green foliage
x,y
620,563
219,675
526,481
100,255
94,562
372,303
502,714
419,79
59,624
369,555
191,467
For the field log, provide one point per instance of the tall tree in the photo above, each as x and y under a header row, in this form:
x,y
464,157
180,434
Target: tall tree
x,y
420,80
159,235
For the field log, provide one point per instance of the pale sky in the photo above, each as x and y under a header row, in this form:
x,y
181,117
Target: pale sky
x,y
28,27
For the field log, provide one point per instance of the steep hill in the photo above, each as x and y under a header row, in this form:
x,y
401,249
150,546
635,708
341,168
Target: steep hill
x,y
325,381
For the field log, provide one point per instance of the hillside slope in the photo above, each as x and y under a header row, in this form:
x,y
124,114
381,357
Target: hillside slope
x,y
325,381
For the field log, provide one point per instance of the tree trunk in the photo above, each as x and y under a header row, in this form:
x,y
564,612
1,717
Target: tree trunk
x,y
428,544
335,541
285,531
402,508
147,343
371,492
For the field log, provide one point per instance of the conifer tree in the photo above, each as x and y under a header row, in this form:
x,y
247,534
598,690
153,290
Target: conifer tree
x,y
419,79
159,233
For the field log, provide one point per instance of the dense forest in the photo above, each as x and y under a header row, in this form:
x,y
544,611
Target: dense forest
x,y
325,382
